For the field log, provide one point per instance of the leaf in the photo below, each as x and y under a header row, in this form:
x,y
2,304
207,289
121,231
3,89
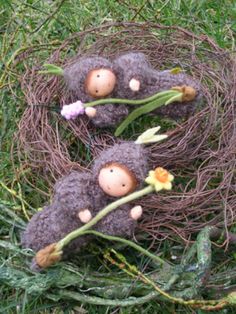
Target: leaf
x,y
52,69
156,103
150,136
176,70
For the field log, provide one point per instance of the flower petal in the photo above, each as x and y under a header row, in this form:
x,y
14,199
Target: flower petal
x,y
156,138
170,177
150,180
152,174
167,186
158,186
149,136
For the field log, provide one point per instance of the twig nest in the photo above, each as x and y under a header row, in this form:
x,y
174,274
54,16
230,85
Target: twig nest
x,y
116,180
100,82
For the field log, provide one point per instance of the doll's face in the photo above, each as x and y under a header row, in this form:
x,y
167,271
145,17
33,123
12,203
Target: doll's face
x,y
116,180
100,82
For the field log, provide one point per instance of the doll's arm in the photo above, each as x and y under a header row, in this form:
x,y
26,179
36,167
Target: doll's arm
x,y
85,215
71,194
120,222
108,115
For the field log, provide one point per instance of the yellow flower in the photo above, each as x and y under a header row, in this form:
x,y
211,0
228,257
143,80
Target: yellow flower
x,y
160,178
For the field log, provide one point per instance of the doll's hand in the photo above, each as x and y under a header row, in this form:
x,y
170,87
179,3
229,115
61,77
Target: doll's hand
x,y
90,112
134,85
136,212
85,215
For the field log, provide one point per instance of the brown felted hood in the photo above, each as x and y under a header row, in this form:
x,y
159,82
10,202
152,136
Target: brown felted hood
x,y
76,74
129,154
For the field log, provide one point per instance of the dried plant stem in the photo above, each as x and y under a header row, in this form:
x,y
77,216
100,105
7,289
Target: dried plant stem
x,y
108,302
48,17
22,202
203,304
192,303
18,52
14,193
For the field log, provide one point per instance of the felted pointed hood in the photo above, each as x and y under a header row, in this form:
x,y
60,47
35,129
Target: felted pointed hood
x,y
129,154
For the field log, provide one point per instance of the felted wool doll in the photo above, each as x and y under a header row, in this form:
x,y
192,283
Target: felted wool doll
x,y
79,196
137,79
129,76
57,219
91,78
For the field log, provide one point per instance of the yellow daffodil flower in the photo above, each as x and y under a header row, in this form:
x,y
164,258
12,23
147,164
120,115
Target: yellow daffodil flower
x,y
160,178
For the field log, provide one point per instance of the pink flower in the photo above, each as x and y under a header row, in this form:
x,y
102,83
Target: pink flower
x,y
73,110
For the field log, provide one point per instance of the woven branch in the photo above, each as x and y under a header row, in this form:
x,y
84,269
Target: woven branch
x,y
200,150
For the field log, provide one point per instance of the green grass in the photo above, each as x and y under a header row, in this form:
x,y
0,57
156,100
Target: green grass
x,y
26,23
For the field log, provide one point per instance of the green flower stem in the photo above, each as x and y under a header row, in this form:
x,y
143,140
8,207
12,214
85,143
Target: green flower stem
x,y
74,234
177,97
154,104
127,242
168,93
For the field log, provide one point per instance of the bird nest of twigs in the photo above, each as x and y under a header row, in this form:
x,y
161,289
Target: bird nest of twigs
x,y
199,151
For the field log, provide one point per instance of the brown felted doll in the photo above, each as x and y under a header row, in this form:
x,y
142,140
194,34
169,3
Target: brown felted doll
x,y
137,79
79,196
129,76
91,78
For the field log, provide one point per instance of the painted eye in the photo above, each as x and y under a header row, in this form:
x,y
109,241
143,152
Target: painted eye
x,y
111,170
98,75
123,184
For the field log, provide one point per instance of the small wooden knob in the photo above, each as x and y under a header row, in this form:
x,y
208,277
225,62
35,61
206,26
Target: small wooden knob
x,y
100,82
136,212
134,85
85,215
90,112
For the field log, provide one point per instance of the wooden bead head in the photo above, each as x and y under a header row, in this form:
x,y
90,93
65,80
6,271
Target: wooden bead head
x,y
100,82
116,180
